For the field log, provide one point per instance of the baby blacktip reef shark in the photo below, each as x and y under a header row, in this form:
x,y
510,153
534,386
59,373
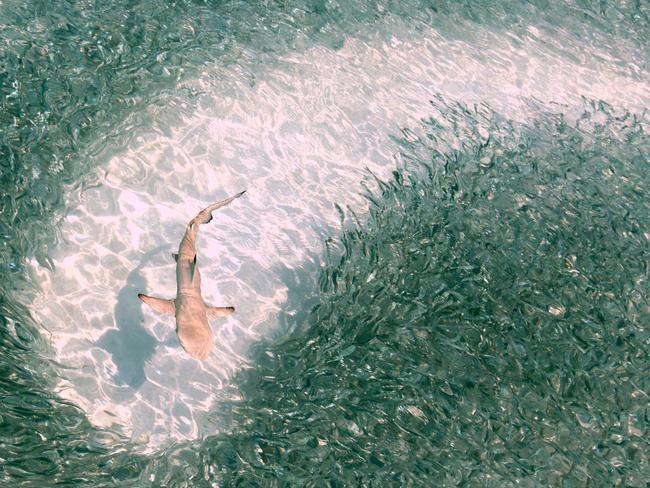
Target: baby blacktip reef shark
x,y
192,314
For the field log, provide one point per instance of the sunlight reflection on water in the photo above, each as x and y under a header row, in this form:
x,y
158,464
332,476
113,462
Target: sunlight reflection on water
x,y
299,133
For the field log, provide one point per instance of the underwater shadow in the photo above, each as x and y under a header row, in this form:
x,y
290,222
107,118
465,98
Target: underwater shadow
x,y
130,345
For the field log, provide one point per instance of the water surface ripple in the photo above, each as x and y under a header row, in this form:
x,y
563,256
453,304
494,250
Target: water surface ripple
x,y
440,268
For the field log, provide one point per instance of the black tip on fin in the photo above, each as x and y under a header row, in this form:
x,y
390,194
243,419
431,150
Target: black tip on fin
x,y
175,256
192,267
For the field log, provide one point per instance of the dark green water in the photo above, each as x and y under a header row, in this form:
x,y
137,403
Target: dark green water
x,y
485,324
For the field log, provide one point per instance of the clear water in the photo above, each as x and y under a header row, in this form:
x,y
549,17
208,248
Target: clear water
x,y
439,269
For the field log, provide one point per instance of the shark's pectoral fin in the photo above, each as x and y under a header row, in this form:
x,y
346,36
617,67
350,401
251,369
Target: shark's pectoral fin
x,y
159,304
214,312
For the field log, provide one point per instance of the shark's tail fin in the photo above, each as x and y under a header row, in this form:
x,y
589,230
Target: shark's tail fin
x,y
205,215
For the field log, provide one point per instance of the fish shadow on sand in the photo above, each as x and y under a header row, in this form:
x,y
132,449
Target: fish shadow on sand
x,y
130,345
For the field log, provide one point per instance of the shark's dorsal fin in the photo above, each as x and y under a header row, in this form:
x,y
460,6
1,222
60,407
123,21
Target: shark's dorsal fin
x,y
214,312
159,304
192,267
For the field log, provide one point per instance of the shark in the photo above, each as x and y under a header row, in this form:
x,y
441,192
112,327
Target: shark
x,y
191,312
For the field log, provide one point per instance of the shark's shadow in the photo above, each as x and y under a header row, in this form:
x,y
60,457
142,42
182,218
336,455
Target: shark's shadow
x,y
130,345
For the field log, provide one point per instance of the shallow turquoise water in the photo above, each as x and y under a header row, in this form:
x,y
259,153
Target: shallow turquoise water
x,y
478,317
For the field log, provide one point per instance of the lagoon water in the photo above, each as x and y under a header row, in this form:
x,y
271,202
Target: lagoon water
x,y
440,267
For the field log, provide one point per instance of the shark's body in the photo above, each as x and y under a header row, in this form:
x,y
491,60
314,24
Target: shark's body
x,y
192,314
